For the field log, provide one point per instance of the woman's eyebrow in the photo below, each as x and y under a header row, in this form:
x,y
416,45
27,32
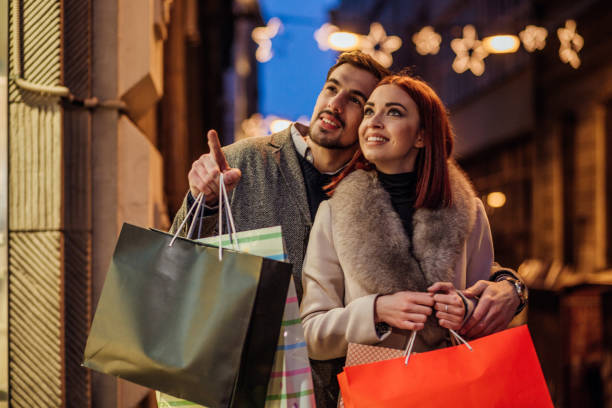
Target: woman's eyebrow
x,y
387,104
395,104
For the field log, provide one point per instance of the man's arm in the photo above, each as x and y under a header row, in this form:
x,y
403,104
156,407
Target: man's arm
x,y
499,301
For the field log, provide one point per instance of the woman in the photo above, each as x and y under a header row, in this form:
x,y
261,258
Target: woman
x,y
402,220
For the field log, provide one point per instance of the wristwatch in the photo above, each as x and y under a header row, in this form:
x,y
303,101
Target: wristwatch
x,y
521,291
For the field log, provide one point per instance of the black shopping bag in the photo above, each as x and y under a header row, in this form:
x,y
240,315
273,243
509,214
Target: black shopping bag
x,y
179,320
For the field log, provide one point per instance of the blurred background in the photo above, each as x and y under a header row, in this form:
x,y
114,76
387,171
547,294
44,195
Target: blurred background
x,y
104,105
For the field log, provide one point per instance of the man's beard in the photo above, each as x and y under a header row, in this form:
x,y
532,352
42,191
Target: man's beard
x,y
317,135
332,144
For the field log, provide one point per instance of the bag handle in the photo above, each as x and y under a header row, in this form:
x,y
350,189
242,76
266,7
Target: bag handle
x,y
228,216
410,344
197,205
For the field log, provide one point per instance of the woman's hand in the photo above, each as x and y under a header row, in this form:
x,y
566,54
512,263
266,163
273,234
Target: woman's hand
x,y
404,310
451,310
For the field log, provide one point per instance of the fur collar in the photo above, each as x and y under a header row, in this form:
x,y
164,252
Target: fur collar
x,y
373,247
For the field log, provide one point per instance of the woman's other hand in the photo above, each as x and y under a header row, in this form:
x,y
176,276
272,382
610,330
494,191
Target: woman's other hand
x,y
404,310
449,306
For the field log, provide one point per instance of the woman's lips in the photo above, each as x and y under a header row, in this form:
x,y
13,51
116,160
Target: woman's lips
x,y
375,139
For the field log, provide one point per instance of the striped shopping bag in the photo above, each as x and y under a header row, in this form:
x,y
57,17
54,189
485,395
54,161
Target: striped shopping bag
x,y
290,384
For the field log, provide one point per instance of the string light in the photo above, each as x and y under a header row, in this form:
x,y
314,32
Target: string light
x,y
343,41
263,37
533,38
322,35
380,46
470,52
427,41
501,44
571,44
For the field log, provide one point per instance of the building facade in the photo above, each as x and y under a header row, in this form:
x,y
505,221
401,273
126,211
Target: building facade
x,y
102,112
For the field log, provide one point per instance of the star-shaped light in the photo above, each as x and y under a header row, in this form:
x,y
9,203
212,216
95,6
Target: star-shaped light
x,y
322,35
470,52
380,46
571,44
427,41
263,37
533,38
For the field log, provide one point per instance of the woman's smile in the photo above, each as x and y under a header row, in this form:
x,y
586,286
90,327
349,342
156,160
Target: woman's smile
x,y
375,139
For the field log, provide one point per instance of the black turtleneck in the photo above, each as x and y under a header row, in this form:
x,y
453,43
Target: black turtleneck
x,y
402,190
315,181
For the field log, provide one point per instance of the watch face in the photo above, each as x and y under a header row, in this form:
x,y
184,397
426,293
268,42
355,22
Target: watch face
x,y
520,289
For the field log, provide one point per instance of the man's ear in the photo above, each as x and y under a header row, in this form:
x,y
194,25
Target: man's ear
x,y
420,140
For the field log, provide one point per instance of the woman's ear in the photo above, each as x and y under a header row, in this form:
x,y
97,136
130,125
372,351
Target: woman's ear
x,y
419,142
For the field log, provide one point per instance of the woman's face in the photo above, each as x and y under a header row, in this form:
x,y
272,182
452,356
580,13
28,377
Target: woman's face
x,y
389,134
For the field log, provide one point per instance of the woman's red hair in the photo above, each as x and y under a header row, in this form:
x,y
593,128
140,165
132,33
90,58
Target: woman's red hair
x,y
433,185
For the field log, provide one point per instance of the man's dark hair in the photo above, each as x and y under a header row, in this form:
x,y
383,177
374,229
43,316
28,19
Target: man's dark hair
x,y
362,61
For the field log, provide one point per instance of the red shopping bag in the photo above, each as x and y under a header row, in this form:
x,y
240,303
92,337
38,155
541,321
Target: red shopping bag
x,y
363,354
502,371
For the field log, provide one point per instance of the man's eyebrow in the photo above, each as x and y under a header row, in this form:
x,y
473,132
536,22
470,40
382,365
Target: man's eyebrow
x,y
359,93
353,91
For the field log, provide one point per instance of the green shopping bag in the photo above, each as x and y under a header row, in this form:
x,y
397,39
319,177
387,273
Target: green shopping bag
x,y
178,319
290,383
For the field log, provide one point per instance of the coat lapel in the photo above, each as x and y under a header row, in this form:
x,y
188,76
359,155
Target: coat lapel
x,y
439,235
288,164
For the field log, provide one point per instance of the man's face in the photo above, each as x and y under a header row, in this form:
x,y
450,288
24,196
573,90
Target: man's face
x,y
339,108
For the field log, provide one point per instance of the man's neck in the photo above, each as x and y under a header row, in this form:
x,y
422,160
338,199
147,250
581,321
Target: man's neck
x,y
330,160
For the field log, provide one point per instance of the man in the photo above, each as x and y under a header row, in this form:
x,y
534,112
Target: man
x,y
279,179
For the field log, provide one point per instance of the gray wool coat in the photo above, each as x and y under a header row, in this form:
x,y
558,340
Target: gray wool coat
x,y
271,192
